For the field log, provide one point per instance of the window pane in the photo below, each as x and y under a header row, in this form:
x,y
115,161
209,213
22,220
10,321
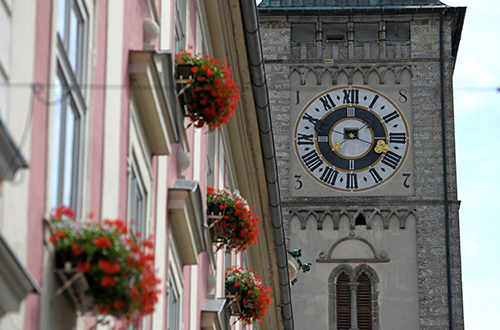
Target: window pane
x,y
137,199
61,19
56,144
366,31
73,39
334,32
398,31
173,305
69,156
302,32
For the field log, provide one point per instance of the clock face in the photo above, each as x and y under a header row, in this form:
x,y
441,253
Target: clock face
x,y
351,138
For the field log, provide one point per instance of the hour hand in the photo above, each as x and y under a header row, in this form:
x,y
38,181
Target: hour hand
x,y
367,124
321,127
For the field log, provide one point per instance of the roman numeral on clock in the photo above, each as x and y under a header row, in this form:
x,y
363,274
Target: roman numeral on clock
x,y
312,160
351,96
391,159
373,101
305,139
397,138
375,175
329,175
393,115
327,102
352,181
307,116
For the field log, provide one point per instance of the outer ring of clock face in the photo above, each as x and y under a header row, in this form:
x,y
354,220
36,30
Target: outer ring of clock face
x,y
351,138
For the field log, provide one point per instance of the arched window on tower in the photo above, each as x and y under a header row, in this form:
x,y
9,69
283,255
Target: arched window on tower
x,y
343,302
353,299
360,220
364,303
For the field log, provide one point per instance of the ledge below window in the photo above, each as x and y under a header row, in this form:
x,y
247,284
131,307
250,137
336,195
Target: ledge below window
x,y
15,280
11,158
185,209
153,87
214,315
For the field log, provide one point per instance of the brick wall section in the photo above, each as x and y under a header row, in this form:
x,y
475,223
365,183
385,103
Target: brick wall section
x,y
428,200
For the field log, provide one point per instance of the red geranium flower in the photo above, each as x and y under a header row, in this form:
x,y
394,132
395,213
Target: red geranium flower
x,y
213,87
238,225
119,268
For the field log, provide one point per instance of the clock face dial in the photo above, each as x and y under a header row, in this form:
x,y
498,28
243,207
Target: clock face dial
x,y
351,138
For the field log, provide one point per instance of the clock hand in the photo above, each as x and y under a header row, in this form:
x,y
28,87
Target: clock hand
x,y
367,124
319,126
382,147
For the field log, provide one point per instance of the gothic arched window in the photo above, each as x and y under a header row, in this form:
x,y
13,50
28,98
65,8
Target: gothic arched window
x,y
353,298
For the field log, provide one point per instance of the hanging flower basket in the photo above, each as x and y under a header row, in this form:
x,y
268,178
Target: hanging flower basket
x,y
210,95
235,306
232,223
74,281
184,72
116,269
250,298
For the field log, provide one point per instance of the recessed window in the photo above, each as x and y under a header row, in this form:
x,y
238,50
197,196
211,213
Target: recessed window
x,y
343,303
354,300
360,220
398,31
366,31
334,32
303,32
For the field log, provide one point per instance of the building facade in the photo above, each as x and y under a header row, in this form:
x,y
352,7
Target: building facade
x,y
91,120
362,104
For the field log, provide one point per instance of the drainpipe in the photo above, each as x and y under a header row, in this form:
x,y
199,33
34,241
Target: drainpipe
x,y
445,172
261,96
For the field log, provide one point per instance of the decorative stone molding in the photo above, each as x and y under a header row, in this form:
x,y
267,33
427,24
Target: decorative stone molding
x,y
350,71
369,213
377,257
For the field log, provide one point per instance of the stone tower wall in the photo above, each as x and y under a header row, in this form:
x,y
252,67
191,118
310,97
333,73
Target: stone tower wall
x,y
421,54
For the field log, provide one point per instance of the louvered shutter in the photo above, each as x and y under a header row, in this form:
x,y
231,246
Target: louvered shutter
x,y
343,303
364,303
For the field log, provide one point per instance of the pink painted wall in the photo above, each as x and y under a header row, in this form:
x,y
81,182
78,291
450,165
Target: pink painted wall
x,y
99,95
38,160
134,13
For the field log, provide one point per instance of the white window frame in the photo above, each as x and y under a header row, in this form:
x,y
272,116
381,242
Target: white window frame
x,y
66,167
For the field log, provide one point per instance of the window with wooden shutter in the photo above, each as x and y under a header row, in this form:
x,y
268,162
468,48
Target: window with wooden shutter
x,y
343,303
364,303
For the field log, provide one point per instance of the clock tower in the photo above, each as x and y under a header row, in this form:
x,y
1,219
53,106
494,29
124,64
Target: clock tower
x,y
362,106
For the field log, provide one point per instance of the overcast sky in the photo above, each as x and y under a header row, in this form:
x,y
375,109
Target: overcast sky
x,y
477,120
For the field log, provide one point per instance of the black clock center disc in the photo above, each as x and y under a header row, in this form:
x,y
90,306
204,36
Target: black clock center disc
x,y
370,122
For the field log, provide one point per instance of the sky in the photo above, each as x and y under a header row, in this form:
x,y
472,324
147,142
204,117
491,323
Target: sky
x,y
477,120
